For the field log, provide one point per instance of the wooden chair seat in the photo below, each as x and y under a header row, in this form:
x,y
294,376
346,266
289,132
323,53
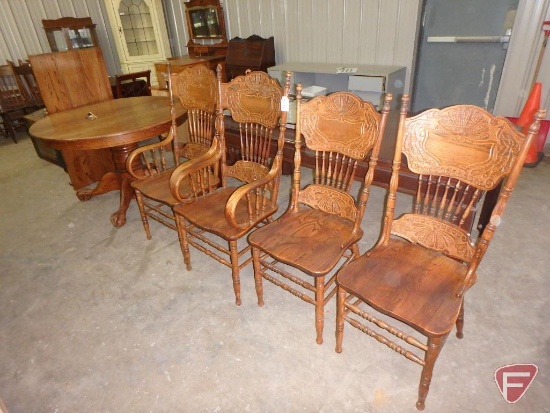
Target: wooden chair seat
x,y
428,284
208,213
157,187
310,240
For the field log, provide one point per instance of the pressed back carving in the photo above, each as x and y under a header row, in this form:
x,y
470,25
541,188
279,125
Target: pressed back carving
x,y
460,153
254,101
342,129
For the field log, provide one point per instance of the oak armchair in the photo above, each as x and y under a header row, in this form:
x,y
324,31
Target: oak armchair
x,y
216,221
196,88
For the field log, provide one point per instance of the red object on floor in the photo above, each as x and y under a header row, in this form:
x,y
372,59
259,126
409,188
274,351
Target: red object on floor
x,y
525,119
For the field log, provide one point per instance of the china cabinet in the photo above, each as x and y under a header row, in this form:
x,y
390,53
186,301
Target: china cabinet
x,y
206,28
140,33
68,33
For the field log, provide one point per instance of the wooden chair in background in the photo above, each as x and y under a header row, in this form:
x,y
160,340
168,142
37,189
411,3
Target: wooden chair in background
x,y
322,225
196,88
424,262
247,197
133,84
15,101
27,81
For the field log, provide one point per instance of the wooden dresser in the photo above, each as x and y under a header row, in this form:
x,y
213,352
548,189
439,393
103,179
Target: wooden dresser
x,y
254,53
177,64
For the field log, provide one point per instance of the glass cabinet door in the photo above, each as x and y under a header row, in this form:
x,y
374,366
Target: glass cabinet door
x,y
69,33
138,31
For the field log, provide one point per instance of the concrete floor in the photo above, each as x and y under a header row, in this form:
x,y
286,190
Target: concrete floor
x,y
98,319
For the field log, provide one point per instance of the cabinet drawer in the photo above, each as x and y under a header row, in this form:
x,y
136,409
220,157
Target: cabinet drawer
x,y
366,83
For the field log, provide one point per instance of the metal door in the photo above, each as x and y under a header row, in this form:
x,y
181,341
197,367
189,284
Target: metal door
x,y
461,52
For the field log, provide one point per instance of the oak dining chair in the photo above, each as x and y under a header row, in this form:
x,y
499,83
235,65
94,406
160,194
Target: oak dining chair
x,y
319,231
412,283
195,87
247,198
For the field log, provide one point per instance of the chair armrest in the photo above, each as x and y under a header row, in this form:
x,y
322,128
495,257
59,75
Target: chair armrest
x,y
196,171
254,194
135,156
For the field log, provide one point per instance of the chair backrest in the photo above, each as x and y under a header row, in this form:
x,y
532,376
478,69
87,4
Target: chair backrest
x,y
341,129
72,78
254,101
133,84
196,88
27,81
459,153
12,97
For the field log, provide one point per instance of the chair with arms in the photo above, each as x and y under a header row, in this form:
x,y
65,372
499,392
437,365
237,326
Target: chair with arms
x,y
247,197
133,84
424,262
322,225
196,88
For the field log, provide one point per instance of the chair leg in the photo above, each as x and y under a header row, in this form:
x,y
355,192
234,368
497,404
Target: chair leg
x,y
355,251
460,321
340,300
435,344
258,276
139,199
235,271
184,245
319,307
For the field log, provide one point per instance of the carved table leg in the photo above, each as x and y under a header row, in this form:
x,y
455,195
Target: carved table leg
x,y
120,153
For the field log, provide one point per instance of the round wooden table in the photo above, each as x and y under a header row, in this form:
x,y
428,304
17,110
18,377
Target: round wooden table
x,y
119,125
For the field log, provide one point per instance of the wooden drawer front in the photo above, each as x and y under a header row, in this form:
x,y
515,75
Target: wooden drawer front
x,y
245,54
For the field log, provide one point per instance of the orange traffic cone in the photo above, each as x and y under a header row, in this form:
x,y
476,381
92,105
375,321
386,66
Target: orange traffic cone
x,y
526,118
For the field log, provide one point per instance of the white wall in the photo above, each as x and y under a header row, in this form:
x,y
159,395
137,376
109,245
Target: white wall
x,y
331,31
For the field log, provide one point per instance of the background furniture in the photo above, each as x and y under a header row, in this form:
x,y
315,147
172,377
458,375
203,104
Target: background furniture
x,y
196,89
206,28
217,220
115,125
26,80
133,84
68,33
69,80
424,262
254,53
140,33
319,231
367,82
177,64
15,101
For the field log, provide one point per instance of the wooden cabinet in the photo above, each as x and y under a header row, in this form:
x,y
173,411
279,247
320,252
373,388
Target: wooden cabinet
x,y
68,33
254,53
177,64
206,28
140,33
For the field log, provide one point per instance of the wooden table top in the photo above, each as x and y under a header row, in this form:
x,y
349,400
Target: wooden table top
x,y
119,122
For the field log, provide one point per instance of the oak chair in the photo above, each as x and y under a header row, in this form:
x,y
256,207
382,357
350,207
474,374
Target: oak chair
x,y
196,89
133,84
322,225
27,81
215,222
423,264
15,101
